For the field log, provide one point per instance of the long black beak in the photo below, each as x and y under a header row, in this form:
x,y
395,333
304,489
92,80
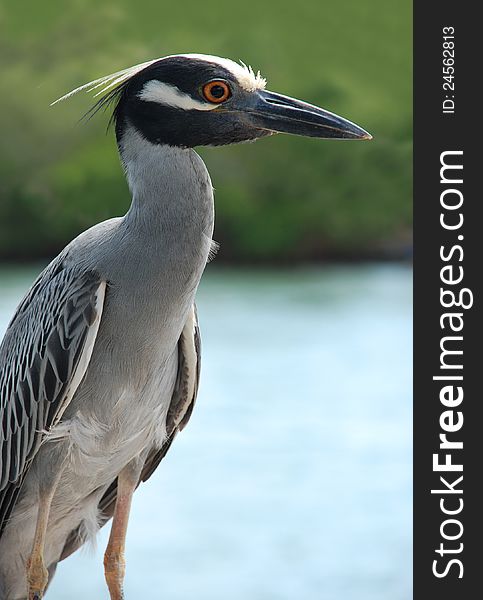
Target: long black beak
x,y
274,112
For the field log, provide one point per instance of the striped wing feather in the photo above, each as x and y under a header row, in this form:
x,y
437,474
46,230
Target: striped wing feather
x,y
43,358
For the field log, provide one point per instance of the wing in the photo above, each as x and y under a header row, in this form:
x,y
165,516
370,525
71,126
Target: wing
x,y
185,391
179,412
43,358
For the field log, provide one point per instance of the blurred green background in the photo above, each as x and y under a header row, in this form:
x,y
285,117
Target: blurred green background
x,y
281,200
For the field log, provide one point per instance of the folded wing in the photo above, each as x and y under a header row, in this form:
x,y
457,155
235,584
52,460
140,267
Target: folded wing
x,y
43,358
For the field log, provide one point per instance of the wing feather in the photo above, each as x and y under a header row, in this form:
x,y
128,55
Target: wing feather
x,y
43,358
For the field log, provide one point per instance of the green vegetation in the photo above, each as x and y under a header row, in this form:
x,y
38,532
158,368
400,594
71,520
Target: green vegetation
x,y
282,199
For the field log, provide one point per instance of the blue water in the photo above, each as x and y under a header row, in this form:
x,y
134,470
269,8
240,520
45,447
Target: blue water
x,y
293,479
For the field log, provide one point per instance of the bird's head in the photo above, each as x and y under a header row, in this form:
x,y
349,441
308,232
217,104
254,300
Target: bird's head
x,y
198,100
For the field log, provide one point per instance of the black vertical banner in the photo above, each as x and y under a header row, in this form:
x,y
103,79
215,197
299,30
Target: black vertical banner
x,y
448,261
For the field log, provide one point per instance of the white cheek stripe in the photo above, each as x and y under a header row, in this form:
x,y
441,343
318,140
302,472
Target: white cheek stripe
x,y
163,93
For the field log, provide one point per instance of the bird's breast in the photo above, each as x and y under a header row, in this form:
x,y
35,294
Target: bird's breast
x,y
112,420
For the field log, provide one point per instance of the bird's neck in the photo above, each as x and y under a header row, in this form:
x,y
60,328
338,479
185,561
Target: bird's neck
x,y
171,188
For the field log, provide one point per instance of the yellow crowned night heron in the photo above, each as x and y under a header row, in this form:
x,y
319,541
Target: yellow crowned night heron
x,y
100,363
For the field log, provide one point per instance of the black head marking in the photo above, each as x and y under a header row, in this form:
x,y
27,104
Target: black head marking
x,y
169,101
166,124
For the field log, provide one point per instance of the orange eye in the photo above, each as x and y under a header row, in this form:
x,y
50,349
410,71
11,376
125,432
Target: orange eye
x,y
216,91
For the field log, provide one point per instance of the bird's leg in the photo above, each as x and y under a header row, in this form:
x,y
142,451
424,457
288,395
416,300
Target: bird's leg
x,y
37,574
114,563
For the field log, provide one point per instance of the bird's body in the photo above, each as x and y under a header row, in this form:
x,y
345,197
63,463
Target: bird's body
x,y
134,364
100,364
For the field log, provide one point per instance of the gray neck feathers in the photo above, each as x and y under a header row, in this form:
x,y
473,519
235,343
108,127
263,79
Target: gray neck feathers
x,y
171,189
169,226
